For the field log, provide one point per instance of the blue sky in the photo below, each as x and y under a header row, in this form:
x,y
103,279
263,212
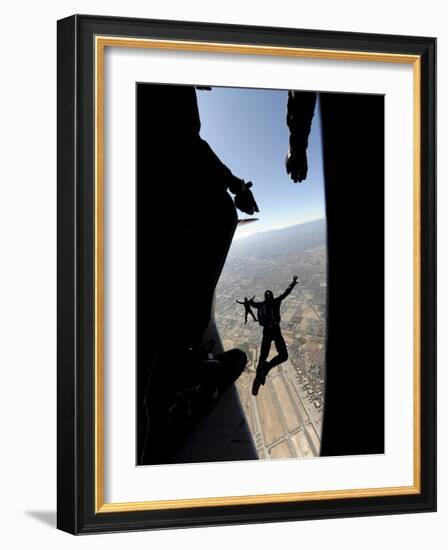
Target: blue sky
x,y
247,130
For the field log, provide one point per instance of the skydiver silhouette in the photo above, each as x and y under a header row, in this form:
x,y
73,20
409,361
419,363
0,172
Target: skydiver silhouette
x,y
247,308
269,318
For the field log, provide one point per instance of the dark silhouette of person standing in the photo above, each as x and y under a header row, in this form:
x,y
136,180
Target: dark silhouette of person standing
x,y
186,220
247,309
352,129
269,318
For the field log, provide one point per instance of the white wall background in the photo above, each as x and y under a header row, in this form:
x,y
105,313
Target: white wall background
x,y
28,271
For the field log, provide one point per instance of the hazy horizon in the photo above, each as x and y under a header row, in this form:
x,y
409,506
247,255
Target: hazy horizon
x,y
261,231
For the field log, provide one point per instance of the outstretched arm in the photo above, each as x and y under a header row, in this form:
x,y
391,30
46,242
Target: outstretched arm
x,y
288,290
213,166
238,302
254,304
299,117
217,171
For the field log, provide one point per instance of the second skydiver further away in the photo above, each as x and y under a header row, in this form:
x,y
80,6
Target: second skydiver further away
x,y
247,310
269,318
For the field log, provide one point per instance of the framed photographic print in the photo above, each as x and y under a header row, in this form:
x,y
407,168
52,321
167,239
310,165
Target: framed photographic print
x,y
246,274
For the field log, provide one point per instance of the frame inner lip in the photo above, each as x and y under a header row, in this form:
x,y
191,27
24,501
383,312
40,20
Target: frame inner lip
x,y
102,41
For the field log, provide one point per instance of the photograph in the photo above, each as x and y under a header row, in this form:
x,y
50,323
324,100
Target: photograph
x,y
246,261
260,273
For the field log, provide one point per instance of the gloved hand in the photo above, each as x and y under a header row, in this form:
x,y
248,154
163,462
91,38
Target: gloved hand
x,y
297,166
244,199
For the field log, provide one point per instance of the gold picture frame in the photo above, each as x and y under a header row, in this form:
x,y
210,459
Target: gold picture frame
x,y
79,35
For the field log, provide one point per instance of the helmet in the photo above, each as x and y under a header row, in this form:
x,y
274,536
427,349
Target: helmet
x,y
268,295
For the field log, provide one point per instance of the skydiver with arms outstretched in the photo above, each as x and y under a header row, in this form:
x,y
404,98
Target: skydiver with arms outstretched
x,y
247,309
269,318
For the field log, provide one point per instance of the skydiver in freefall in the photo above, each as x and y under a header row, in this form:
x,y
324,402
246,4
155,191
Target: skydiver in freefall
x,y
247,309
269,318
